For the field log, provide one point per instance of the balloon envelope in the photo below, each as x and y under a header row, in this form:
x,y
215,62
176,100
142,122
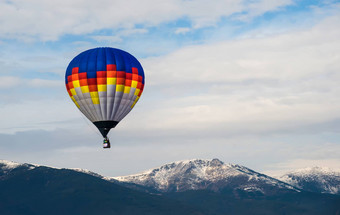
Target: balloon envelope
x,y
105,84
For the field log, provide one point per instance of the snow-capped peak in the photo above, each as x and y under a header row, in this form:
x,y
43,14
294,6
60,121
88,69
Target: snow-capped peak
x,y
200,168
8,164
316,170
314,179
199,174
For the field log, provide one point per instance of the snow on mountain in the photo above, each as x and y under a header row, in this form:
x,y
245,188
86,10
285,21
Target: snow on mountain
x,y
203,174
314,179
7,167
8,164
87,172
212,175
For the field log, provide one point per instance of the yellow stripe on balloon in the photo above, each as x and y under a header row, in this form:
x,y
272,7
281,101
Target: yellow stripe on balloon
x,y
73,99
102,88
136,100
73,92
120,88
76,84
95,97
75,102
137,92
127,90
94,94
85,89
111,81
134,84
95,101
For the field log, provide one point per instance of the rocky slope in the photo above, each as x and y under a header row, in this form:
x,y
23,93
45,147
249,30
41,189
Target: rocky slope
x,y
205,175
315,179
207,187
39,190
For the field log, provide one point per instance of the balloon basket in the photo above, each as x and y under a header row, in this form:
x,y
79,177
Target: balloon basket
x,y
106,143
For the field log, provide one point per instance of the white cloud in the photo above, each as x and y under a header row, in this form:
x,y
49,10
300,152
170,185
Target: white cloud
x,y
278,83
256,8
48,20
45,83
9,82
246,101
182,30
118,37
283,57
37,114
14,82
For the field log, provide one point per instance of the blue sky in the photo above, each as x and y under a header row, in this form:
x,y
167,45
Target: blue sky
x,y
249,82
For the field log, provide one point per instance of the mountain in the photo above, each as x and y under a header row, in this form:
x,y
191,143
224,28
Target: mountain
x,y
31,189
9,167
315,179
217,188
211,175
207,187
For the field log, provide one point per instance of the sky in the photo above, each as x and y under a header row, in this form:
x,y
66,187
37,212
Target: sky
x,y
250,82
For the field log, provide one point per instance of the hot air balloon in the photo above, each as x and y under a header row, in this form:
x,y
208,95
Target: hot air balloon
x,y
105,84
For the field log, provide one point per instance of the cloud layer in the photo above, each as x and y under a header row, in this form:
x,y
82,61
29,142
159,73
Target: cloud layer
x,y
259,93
283,82
48,20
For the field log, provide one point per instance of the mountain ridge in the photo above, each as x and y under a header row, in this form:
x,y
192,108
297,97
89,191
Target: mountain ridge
x,y
44,190
314,179
198,174
35,190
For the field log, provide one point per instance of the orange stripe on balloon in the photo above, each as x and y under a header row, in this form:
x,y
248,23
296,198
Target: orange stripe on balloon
x,y
82,75
120,80
70,85
93,88
111,74
83,82
75,77
135,77
101,74
101,81
128,82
